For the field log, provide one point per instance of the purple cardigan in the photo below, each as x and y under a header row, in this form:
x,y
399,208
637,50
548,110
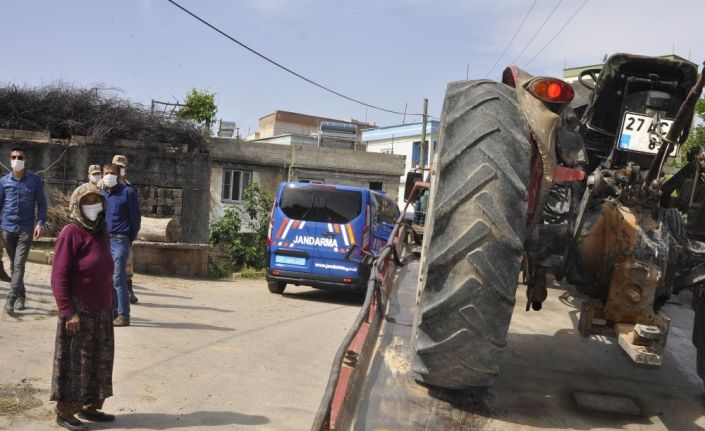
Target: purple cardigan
x,y
82,272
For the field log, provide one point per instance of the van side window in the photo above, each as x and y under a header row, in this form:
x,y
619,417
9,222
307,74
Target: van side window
x,y
386,211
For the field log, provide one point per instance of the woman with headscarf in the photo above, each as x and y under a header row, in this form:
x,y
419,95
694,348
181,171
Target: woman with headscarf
x,y
81,279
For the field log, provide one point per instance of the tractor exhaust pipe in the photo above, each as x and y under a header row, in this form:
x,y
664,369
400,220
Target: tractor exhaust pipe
x,y
685,112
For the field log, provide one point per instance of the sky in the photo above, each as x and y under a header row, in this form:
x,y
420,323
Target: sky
x,y
387,53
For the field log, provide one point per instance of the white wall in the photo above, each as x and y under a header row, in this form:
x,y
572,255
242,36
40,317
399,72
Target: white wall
x,y
404,147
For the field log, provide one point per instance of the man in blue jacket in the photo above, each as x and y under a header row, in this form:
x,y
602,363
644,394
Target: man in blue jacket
x,y
123,218
21,194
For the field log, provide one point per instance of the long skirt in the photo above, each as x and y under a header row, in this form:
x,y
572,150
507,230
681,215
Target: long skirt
x,y
83,363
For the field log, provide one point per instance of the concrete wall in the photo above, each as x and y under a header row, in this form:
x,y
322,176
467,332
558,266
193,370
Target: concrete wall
x,y
163,175
271,164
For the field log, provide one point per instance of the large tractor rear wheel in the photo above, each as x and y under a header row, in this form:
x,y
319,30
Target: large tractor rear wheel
x,y
475,239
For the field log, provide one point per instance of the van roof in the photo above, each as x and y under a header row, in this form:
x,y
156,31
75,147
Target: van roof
x,y
326,186
379,193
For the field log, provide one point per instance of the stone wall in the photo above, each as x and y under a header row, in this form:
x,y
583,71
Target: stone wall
x,y
171,259
164,176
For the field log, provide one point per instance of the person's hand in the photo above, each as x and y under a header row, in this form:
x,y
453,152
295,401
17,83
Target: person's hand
x,y
38,232
73,324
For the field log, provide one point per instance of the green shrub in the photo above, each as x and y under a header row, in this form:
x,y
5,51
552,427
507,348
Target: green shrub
x,y
245,249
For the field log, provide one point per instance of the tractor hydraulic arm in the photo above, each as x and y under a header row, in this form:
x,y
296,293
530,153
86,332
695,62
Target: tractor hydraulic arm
x,y
685,113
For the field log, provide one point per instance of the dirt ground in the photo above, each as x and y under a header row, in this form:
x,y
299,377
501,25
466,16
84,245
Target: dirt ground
x,y
200,354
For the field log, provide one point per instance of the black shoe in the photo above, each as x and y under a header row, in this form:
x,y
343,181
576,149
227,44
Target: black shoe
x,y
4,276
71,423
9,305
133,298
96,416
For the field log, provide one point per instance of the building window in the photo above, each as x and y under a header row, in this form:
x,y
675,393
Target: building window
x,y
234,184
416,154
311,180
387,150
376,185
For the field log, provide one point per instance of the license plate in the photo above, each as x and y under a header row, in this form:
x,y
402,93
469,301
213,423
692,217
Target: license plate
x,y
290,260
637,134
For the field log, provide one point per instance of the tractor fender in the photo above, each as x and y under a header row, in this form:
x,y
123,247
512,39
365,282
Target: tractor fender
x,y
543,124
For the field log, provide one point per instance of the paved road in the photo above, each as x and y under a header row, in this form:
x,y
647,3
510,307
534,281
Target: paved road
x,y
200,354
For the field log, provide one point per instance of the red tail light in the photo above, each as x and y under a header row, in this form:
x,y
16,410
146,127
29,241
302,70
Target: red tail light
x,y
275,272
551,90
271,227
347,280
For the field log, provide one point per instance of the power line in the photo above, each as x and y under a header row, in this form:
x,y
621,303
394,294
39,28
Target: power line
x,y
281,66
537,31
512,39
558,32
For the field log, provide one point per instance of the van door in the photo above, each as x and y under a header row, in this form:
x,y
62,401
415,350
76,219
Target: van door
x,y
294,230
341,222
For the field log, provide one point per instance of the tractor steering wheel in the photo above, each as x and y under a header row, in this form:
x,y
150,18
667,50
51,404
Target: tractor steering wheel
x,y
592,73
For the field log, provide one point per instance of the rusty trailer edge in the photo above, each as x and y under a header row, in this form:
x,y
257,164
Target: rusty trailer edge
x,y
353,358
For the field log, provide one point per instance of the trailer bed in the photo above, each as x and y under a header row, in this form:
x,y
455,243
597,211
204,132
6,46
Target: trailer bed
x,y
550,377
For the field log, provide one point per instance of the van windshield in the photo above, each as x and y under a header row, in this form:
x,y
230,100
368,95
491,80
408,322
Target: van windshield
x,y
321,205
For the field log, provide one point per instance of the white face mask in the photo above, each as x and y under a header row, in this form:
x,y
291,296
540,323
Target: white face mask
x,y
92,211
122,172
17,165
95,179
110,180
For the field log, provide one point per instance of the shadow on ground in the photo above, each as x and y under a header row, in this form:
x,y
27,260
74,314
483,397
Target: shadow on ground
x,y
328,296
183,307
159,421
140,291
146,323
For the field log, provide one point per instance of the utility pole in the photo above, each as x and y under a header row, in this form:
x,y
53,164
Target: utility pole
x,y
422,156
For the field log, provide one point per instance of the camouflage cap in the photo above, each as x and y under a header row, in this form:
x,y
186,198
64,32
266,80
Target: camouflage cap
x,y
94,169
120,160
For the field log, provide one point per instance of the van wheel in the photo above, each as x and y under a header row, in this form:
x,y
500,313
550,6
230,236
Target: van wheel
x,y
474,237
276,286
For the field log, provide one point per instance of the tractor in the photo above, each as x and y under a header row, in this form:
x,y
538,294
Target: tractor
x,y
536,177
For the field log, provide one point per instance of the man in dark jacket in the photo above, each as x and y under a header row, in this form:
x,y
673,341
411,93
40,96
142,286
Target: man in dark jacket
x,y
123,219
24,213
121,161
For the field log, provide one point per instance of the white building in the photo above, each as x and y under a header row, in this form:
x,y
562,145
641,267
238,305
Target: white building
x,y
403,140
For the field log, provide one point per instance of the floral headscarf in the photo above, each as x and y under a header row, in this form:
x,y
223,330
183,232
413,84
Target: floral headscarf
x,y
77,215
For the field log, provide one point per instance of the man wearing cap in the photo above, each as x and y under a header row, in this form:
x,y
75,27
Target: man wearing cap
x,y
121,161
95,174
123,220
